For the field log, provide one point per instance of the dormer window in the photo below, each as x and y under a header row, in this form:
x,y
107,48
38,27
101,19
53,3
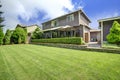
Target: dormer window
x,y
54,23
70,18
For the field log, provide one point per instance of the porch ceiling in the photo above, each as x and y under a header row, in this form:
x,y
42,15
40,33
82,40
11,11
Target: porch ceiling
x,y
60,28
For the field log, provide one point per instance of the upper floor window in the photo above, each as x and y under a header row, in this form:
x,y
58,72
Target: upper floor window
x,y
70,17
54,23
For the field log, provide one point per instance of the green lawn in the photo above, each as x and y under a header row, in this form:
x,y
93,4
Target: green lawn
x,y
34,62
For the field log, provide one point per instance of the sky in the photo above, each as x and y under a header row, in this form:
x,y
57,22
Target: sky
x,y
30,12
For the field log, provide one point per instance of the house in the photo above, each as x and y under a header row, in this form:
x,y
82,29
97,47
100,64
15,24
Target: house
x,y
105,25
74,24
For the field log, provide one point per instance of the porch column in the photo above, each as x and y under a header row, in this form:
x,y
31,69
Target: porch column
x,y
58,33
64,33
101,34
50,34
71,32
83,32
74,33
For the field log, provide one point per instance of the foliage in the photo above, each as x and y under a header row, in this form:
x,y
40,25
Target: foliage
x,y
1,30
37,34
68,40
19,40
19,35
7,37
114,35
1,18
1,36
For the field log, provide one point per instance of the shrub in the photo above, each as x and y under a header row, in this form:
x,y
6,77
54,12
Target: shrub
x,y
1,36
7,37
114,35
19,36
71,40
37,34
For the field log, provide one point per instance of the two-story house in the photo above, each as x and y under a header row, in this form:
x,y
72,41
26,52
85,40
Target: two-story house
x,y
74,24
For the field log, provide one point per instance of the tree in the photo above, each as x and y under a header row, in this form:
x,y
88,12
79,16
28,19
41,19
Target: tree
x,y
1,36
1,29
114,35
7,37
37,34
1,18
19,35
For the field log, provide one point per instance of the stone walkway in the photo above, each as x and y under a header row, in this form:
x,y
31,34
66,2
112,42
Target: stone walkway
x,y
93,45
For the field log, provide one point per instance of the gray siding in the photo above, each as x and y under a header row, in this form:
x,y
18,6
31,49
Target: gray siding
x,y
106,28
62,22
83,20
46,25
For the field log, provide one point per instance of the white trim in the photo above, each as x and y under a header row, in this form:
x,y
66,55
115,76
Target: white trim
x,y
79,17
83,32
108,19
95,30
101,34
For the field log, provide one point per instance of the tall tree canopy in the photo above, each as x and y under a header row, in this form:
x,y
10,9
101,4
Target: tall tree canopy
x,y
1,25
7,37
19,35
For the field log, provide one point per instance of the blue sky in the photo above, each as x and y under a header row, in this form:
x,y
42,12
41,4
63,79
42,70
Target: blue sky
x,y
28,12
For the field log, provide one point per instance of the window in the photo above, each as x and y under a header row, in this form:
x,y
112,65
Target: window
x,y
54,23
70,17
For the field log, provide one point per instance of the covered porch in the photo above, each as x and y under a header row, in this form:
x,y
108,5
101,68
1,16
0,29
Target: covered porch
x,y
64,31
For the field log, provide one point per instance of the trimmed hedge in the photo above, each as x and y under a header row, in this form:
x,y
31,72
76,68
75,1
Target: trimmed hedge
x,y
71,40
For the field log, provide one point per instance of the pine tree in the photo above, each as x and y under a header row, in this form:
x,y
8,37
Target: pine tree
x,y
7,37
114,35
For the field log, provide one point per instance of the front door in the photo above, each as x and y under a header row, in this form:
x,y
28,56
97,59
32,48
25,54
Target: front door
x,y
86,37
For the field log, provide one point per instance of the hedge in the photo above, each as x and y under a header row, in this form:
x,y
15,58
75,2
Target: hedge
x,y
71,40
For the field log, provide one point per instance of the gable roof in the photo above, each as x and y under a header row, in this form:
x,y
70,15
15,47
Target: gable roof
x,y
70,13
109,19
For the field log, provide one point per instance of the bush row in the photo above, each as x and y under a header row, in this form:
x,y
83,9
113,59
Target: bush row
x,y
71,40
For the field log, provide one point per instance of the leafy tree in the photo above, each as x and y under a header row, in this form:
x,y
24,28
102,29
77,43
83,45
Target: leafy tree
x,y
19,35
114,35
1,36
19,40
1,18
7,37
37,34
1,29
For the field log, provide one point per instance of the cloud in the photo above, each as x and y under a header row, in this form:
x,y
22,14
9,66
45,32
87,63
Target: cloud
x,y
30,9
103,15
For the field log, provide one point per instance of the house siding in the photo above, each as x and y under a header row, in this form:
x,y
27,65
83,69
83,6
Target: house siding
x,y
83,20
63,22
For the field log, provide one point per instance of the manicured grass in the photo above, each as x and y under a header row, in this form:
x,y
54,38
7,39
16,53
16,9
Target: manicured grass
x,y
34,62
108,45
